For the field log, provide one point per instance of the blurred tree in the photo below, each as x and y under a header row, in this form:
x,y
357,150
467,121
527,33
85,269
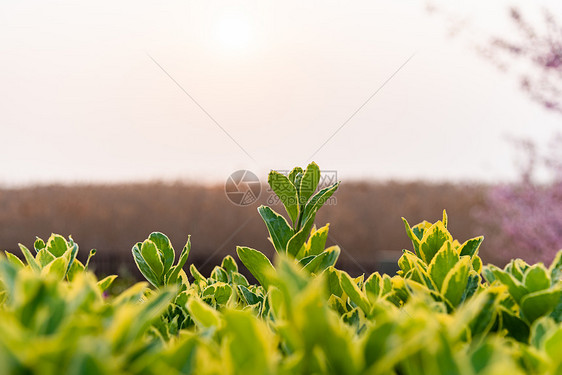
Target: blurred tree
x,y
533,54
527,214
538,53
524,218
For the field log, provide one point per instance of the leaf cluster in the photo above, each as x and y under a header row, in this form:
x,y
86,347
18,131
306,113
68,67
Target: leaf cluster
x,y
444,312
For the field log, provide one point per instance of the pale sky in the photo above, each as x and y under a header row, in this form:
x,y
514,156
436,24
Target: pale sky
x,y
81,100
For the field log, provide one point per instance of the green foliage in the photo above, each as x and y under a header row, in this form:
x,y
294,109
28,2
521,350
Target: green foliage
x,y
533,292
301,240
155,258
51,326
440,266
442,313
55,258
297,192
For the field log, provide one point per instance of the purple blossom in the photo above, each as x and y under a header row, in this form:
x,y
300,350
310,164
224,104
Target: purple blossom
x,y
526,215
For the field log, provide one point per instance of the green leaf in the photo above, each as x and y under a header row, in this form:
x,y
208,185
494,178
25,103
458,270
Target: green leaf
x,y
317,241
132,294
56,245
165,249
130,326
279,230
421,275
386,284
337,304
470,247
295,175
39,244
406,261
85,364
483,355
239,279
536,278
106,282
329,259
352,318
29,258
446,363
456,280
477,264
287,193
172,276
515,288
514,268
70,256
56,268
257,264
229,264
472,285
539,330
354,293
150,254
44,257
14,260
309,182
90,256
333,281
318,201
541,303
219,274
377,343
443,261
297,241
553,345
249,297
76,268
249,346
143,266
183,356
555,268
289,277
373,286
220,291
515,327
432,241
10,281
415,239
182,278
203,315
196,274
321,262
413,264
276,302
304,261
480,313
419,229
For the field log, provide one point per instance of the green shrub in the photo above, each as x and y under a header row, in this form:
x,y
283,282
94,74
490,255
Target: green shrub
x,y
442,313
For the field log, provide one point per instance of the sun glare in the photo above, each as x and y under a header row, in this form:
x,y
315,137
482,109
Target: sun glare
x,y
233,31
